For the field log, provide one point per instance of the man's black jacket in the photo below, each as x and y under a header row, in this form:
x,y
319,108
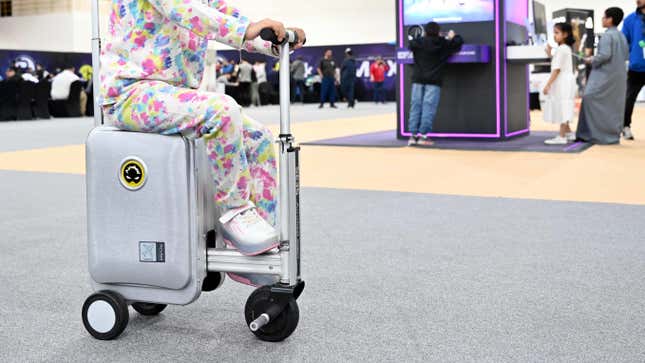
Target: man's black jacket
x,y
430,57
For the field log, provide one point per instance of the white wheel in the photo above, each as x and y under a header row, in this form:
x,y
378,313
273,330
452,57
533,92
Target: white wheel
x,y
101,316
105,315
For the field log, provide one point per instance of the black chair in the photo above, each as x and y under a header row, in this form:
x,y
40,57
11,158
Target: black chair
x,y
8,100
41,104
26,95
89,111
70,107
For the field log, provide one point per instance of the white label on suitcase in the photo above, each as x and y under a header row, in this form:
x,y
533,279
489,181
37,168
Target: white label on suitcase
x,y
152,252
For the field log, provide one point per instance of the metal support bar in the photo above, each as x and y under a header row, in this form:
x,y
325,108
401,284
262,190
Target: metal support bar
x,y
96,62
285,90
285,139
224,260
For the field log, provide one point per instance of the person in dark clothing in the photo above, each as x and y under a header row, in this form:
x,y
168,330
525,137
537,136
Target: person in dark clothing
x,y
298,72
634,31
348,77
42,73
431,53
9,96
327,70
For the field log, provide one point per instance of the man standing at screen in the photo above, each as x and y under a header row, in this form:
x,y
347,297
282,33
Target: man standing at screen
x,y
431,52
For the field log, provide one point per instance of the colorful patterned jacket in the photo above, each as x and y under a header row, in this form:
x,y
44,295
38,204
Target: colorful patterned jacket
x,y
166,40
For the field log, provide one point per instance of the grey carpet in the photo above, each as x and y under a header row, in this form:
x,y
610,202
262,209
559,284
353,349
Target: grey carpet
x,y
391,277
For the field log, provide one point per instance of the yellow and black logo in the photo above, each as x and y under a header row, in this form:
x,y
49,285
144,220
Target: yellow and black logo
x,y
133,173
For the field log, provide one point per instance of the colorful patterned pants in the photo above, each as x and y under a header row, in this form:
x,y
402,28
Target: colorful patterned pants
x,y
241,150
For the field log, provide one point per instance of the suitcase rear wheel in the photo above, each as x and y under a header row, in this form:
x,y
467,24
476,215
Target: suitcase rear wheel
x,y
148,309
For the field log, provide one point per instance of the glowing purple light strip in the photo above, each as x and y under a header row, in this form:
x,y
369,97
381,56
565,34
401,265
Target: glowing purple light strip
x,y
497,85
528,90
528,111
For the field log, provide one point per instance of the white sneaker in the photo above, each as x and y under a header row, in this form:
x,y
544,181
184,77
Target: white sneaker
x,y
244,229
413,141
571,136
558,140
627,133
425,141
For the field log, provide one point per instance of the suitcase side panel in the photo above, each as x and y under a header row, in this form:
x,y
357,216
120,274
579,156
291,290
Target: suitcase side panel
x,y
139,237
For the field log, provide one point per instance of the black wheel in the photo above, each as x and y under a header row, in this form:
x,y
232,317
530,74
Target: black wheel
x,y
277,329
105,315
213,281
148,309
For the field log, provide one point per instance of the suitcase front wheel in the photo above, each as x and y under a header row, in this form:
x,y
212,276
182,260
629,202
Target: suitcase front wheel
x,y
281,327
105,315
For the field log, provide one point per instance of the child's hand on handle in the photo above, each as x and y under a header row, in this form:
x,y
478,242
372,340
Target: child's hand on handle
x,y
253,31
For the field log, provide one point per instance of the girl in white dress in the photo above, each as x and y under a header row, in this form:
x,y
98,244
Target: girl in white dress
x,y
560,90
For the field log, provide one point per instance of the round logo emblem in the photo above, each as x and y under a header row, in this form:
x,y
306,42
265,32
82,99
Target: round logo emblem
x,y
133,173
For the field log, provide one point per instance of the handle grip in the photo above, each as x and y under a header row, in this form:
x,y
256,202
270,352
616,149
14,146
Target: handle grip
x,y
269,35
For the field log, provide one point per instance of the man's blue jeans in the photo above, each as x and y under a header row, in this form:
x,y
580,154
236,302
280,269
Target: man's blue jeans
x,y
328,90
379,92
425,101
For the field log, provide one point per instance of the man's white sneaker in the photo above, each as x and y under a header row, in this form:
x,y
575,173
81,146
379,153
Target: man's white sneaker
x,y
425,141
558,140
244,229
571,136
413,141
627,133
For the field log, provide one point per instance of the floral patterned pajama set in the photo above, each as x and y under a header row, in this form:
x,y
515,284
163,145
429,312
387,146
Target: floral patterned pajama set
x,y
152,66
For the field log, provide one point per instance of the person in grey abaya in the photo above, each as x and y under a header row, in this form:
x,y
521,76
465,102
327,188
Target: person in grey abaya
x,y
603,104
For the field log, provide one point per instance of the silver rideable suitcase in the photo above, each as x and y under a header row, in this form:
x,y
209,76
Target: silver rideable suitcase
x,y
149,212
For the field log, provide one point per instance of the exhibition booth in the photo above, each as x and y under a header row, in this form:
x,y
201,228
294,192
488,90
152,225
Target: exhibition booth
x,y
485,93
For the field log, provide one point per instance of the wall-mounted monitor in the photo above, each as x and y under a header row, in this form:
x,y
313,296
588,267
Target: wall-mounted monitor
x,y
539,18
447,11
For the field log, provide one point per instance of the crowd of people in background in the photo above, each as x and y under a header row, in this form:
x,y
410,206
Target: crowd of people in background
x,y
250,83
255,83
53,88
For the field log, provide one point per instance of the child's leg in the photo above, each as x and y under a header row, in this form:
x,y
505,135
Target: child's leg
x,y
415,108
567,126
261,156
431,99
157,107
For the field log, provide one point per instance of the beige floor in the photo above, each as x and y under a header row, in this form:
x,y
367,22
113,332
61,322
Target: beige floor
x,y
614,174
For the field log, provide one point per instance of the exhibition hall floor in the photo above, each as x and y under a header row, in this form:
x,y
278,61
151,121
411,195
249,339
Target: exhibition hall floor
x,y
409,254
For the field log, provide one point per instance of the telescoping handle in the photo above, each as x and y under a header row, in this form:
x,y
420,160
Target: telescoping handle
x,y
285,75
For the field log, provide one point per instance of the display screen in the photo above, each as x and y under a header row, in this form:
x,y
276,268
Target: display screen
x,y
517,11
539,17
417,12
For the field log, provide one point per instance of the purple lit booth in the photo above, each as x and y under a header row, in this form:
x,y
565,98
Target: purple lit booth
x,y
484,95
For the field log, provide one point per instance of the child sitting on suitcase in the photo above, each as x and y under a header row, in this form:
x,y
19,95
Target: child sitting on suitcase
x,y
152,66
